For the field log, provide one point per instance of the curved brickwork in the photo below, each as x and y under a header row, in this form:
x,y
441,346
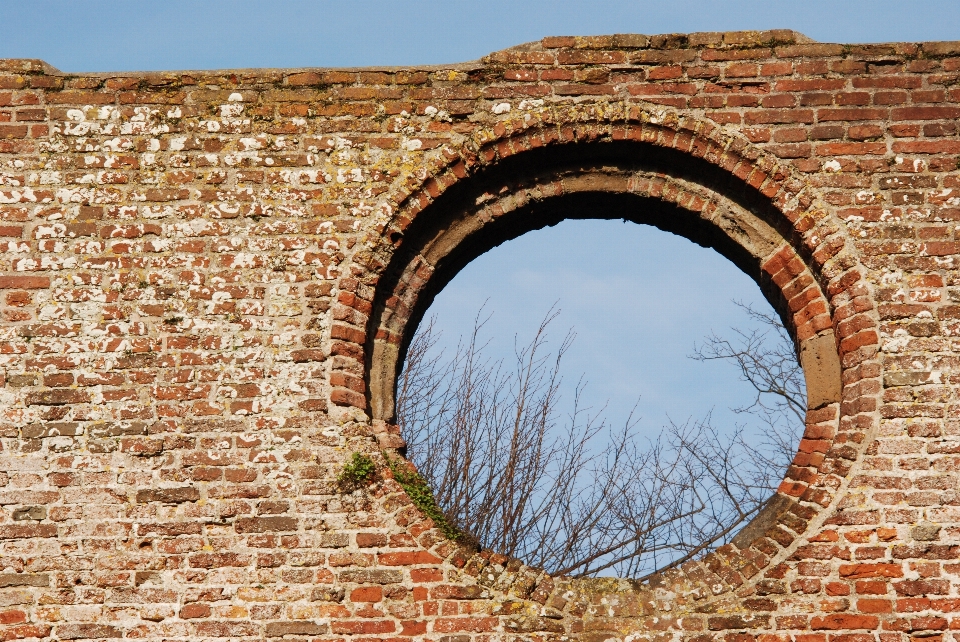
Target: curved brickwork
x,y
207,280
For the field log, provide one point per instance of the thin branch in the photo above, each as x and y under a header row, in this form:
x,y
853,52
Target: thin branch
x,y
568,492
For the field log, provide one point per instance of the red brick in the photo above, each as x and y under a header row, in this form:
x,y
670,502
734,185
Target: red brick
x,y
580,56
12,131
470,624
844,621
925,113
858,571
190,611
367,594
363,627
851,114
24,282
407,559
779,116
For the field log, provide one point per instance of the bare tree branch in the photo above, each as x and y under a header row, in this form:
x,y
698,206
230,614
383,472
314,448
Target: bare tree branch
x,y
766,357
569,493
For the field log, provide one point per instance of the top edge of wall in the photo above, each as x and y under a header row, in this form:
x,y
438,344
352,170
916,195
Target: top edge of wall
x,y
786,41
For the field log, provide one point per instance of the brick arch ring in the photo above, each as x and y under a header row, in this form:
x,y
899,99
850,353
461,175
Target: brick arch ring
x,y
682,175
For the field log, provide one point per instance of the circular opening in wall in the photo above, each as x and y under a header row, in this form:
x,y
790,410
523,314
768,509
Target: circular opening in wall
x,y
641,482
601,398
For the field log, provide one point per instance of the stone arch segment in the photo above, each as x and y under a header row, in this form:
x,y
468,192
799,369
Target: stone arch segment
x,y
435,254
771,207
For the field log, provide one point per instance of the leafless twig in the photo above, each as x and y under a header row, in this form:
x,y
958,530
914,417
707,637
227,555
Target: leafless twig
x,y
569,493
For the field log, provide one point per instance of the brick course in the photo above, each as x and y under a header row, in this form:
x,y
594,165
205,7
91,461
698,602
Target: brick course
x,y
207,280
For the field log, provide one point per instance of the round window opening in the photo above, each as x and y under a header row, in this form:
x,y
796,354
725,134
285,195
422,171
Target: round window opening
x,y
601,398
595,397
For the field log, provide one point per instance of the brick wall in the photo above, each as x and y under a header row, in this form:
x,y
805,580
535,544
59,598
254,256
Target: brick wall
x,y
207,280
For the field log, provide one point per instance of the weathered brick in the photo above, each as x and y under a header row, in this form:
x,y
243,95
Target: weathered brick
x,y
24,579
844,621
362,576
24,282
57,397
280,629
87,631
168,495
266,524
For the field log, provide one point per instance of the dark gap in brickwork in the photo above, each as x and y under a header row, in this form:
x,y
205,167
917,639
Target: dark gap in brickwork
x,y
524,170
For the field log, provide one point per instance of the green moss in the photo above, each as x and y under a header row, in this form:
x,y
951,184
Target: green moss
x,y
419,492
355,472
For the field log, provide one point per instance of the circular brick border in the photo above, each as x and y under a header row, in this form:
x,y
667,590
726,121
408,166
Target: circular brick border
x,y
815,268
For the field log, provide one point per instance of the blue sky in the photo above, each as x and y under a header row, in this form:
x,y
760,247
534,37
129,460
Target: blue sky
x,y
638,299
115,35
628,347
